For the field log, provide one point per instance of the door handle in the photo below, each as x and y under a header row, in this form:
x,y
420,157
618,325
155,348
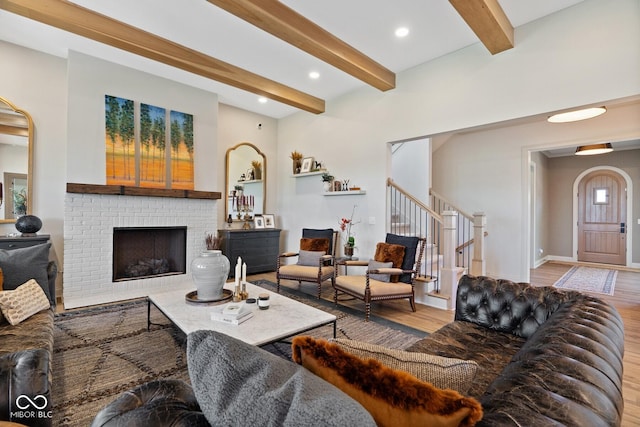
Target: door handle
x,y
622,227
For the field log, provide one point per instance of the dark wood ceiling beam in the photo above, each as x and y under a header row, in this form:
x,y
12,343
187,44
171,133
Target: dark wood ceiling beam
x,y
283,22
487,19
87,23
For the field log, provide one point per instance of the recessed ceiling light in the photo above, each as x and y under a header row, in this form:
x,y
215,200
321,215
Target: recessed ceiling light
x,y
402,32
314,75
574,116
262,100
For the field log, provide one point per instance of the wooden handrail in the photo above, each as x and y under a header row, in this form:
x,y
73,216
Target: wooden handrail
x,y
468,243
460,211
434,214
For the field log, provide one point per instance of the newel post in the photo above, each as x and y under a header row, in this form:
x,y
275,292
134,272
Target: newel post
x,y
449,273
478,263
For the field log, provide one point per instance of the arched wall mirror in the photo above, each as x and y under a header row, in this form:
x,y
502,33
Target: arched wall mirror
x,y
16,162
246,181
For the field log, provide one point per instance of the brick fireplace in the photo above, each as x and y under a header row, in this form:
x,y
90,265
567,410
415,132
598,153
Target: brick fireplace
x,y
89,223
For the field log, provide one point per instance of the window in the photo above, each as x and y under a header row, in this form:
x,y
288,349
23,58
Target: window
x,y
601,196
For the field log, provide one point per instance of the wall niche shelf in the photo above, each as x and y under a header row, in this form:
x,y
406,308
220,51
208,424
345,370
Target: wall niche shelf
x,y
345,193
300,175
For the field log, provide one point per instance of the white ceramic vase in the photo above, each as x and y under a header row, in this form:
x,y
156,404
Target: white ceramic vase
x,y
210,271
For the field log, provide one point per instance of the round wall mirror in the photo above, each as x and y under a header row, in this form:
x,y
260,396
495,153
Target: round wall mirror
x,y
16,161
246,181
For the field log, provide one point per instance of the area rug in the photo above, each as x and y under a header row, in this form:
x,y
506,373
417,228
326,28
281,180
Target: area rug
x,y
589,279
101,352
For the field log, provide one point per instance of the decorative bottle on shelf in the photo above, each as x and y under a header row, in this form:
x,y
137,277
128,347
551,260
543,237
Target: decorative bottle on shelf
x,y
210,271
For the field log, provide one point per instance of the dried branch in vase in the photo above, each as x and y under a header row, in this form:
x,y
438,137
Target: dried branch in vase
x,y
213,242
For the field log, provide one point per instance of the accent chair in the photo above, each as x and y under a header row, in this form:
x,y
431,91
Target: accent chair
x,y
316,258
389,275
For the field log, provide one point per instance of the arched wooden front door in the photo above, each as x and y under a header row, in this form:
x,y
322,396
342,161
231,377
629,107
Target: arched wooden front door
x,y
602,222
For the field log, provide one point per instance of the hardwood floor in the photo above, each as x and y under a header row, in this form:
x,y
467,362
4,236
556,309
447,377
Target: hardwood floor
x,y
626,299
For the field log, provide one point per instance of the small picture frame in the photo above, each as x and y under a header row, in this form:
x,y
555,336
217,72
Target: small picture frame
x,y
269,221
258,221
307,164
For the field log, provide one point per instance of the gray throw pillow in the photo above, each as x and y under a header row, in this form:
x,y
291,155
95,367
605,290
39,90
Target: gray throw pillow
x,y
237,384
374,265
309,258
21,265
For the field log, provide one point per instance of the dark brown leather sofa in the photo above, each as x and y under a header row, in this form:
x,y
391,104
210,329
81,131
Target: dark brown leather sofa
x,y
26,352
546,357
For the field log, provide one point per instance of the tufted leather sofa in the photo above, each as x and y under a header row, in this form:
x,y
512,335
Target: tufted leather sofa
x,y
26,352
546,357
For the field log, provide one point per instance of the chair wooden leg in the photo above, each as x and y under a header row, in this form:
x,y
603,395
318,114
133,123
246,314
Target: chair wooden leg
x,y
319,289
412,302
367,311
278,283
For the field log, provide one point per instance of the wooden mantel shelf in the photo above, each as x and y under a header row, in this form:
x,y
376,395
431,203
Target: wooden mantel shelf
x,y
123,190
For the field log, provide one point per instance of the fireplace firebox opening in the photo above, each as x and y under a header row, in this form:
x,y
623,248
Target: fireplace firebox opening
x,y
143,252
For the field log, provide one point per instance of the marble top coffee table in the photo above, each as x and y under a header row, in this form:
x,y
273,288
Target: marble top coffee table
x,y
284,318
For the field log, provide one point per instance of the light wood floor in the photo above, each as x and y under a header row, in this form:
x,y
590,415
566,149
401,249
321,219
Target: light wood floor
x,y
626,299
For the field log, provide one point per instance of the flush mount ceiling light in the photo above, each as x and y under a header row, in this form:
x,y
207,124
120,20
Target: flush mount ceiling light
x,y
402,32
574,116
589,150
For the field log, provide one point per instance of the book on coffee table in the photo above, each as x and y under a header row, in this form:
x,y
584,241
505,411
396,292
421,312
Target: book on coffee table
x,y
231,313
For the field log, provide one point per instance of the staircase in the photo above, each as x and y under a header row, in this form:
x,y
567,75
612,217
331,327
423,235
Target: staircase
x,y
455,242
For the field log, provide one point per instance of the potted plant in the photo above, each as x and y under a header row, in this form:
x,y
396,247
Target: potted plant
x,y
327,179
297,161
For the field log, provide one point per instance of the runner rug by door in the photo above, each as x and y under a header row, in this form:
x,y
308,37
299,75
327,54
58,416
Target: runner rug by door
x,y
589,279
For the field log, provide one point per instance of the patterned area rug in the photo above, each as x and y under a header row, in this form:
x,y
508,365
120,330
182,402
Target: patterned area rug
x,y
101,352
588,279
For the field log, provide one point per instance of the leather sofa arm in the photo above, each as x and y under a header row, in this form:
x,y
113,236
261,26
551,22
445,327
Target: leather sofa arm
x,y
25,395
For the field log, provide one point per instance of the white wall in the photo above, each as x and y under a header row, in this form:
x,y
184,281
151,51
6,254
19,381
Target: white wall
x,y
584,54
90,79
37,83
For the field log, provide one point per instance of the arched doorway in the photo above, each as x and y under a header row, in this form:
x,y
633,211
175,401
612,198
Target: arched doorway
x,y
602,216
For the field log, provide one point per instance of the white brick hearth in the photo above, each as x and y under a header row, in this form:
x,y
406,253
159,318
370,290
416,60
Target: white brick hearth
x,y
89,220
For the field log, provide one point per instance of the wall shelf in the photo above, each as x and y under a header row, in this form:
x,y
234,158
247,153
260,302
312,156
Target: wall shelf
x,y
345,193
300,175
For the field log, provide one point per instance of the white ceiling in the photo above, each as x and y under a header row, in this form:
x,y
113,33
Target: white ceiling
x,y
368,25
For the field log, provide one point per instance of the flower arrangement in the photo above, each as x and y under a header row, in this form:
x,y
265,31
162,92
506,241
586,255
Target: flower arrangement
x,y
296,156
297,161
345,226
213,241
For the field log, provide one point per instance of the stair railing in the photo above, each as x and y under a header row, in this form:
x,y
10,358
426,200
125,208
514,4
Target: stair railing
x,y
465,251
459,242
411,217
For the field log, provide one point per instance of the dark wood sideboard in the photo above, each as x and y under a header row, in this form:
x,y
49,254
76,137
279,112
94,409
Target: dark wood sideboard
x,y
17,242
259,249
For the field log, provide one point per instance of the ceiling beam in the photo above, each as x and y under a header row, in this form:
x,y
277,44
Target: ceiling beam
x,y
283,22
87,23
487,19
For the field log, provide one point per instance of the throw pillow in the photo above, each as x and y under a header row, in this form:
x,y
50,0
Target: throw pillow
x,y
392,397
236,383
20,265
375,265
442,372
310,258
411,248
309,244
386,252
23,302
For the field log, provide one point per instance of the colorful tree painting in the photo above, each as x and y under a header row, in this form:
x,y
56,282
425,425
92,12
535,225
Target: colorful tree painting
x,y
146,161
119,130
152,141
181,150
